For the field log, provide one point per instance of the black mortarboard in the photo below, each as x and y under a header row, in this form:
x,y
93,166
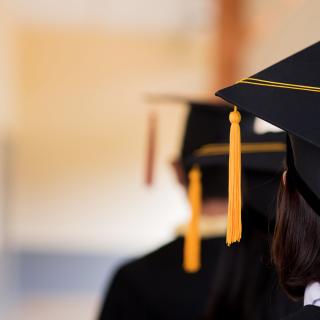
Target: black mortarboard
x,y
207,126
205,144
287,94
206,140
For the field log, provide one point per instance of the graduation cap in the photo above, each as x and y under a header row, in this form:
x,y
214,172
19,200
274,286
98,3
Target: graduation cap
x,y
206,144
287,95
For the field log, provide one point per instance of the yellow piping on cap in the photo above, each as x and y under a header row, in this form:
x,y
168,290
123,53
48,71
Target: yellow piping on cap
x,y
248,147
275,84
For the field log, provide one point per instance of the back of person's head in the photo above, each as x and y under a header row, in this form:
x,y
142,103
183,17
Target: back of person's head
x,y
206,125
214,181
261,199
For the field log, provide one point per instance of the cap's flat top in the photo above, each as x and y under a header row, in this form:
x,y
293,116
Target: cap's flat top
x,y
291,107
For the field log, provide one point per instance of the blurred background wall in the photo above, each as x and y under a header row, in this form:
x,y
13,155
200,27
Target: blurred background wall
x,y
73,123
8,89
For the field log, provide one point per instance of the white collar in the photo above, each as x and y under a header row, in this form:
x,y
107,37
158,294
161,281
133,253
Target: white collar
x,y
312,294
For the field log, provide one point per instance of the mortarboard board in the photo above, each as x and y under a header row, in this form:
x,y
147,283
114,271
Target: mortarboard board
x,y
287,95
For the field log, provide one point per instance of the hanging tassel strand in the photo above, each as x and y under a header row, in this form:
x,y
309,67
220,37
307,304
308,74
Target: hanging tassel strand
x,y
151,149
234,227
192,244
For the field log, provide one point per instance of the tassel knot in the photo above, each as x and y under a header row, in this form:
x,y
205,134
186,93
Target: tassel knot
x,y
235,117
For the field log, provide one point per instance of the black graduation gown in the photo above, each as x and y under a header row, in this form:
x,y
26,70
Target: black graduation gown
x,y
156,287
306,313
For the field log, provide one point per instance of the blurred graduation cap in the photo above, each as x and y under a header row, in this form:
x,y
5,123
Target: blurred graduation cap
x,y
205,144
287,95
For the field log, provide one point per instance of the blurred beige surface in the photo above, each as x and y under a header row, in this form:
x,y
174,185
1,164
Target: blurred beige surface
x,y
55,307
79,123
79,143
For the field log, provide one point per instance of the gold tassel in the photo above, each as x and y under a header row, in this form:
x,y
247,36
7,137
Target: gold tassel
x,y
192,242
234,227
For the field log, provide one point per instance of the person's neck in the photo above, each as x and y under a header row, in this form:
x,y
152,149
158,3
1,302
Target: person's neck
x,y
214,207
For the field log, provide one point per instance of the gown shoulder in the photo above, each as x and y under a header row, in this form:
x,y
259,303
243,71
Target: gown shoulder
x,y
306,313
155,285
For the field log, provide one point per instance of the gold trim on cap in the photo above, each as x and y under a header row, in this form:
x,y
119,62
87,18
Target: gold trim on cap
x,y
249,147
283,85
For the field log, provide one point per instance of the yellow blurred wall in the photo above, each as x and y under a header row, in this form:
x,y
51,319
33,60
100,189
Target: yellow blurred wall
x,y
277,29
80,125
79,151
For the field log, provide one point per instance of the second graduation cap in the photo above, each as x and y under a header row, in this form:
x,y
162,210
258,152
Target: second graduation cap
x,y
205,144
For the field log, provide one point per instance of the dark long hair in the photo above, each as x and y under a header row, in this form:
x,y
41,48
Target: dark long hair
x,y
296,244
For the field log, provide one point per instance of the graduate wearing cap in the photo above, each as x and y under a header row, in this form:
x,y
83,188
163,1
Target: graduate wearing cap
x,y
287,94
177,281
174,281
